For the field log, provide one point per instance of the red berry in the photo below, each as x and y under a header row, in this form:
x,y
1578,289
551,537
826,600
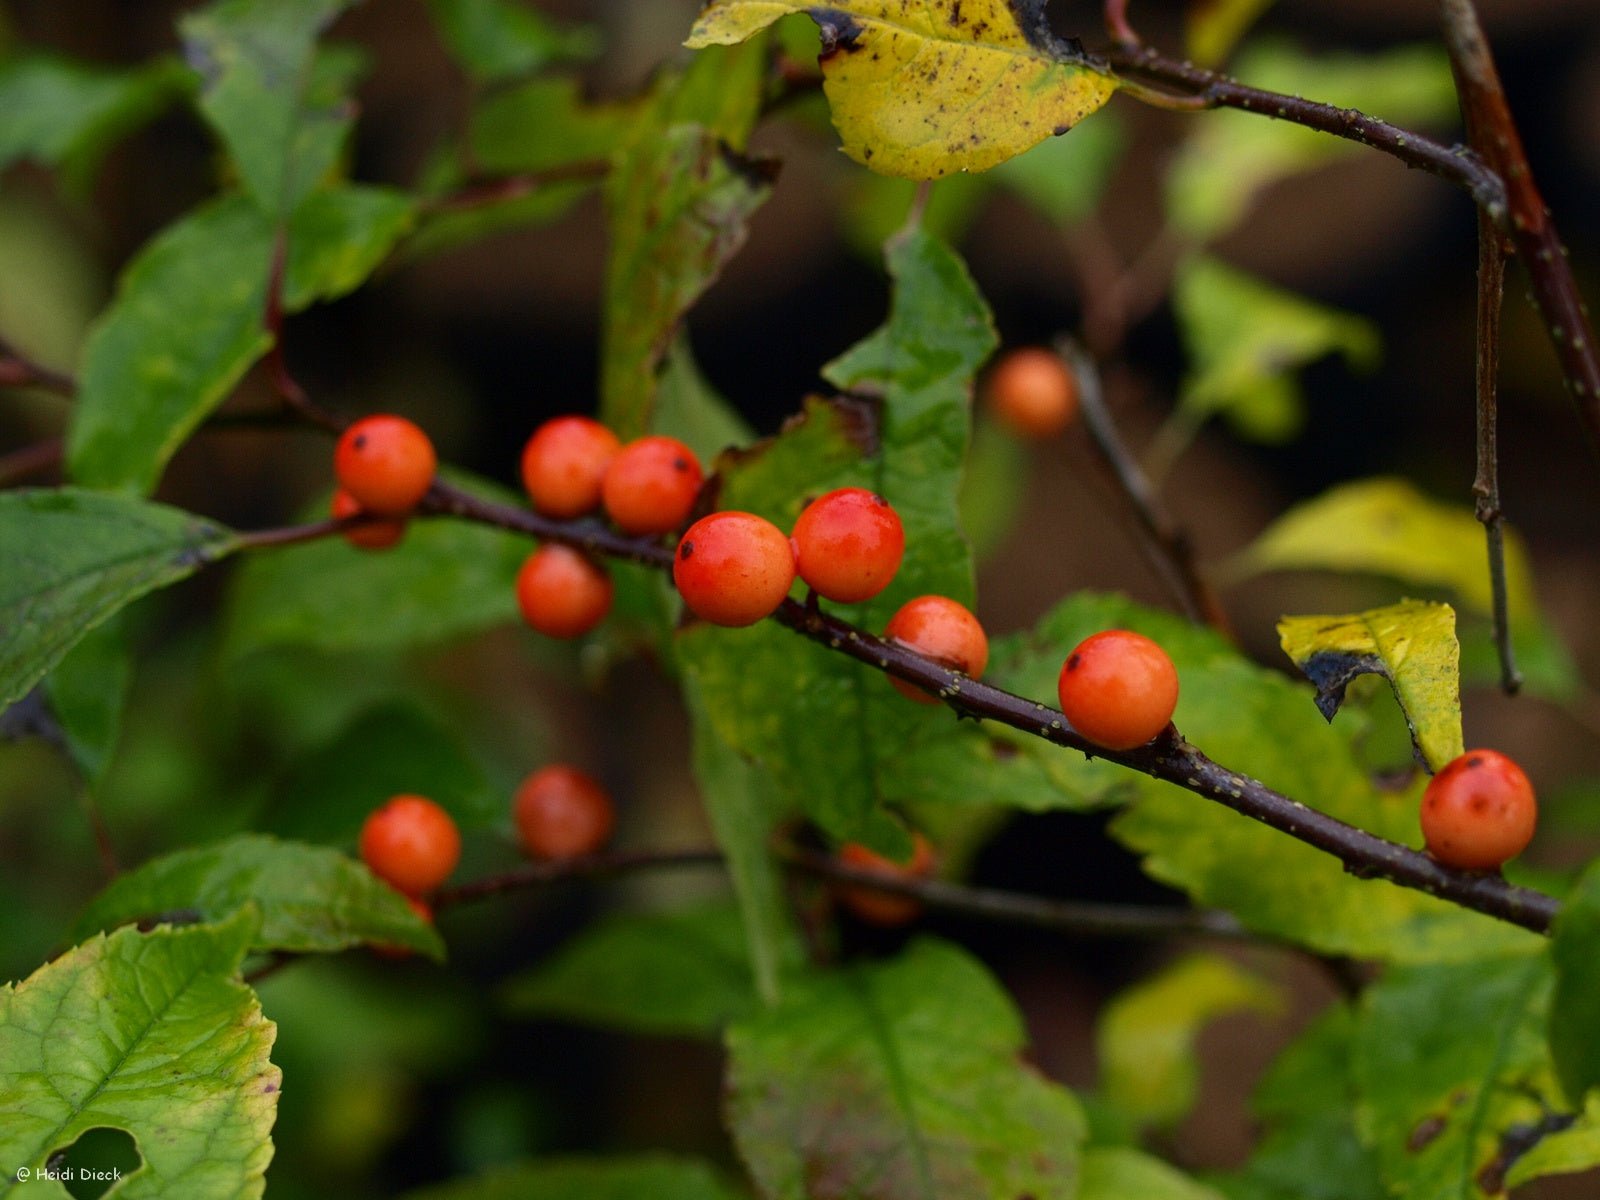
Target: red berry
x,y
733,568
562,592
1478,811
390,949
651,485
411,843
563,465
848,544
373,535
937,627
886,908
386,463
562,813
1031,391
1118,689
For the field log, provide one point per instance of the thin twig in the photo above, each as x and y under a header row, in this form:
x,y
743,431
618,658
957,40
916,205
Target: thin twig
x,y
17,370
1117,24
284,383
102,832
479,193
32,460
1166,545
593,866
293,535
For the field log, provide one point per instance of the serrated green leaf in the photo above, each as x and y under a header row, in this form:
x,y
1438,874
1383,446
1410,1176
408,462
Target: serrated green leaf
x,y
1213,27
921,91
310,899
685,972
1117,1173
1575,1011
73,558
1411,644
497,40
678,200
338,237
638,1177
1454,1072
281,117
86,691
1231,157
1146,1037
1245,338
899,1079
67,114
149,1033
390,748
446,579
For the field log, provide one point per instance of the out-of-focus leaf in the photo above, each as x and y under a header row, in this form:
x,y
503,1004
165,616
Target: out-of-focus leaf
x,y
388,749
1575,1010
899,1079
992,486
73,558
496,40
309,898
1064,177
1232,156
282,117
545,124
653,1177
152,1034
1146,1037
338,237
68,114
1212,28
875,208
1118,1173
87,690
1411,644
1560,1151
689,408
921,91
684,973
1245,339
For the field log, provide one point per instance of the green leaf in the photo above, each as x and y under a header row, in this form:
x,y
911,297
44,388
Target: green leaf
x,y
639,1177
498,40
185,326
1231,157
679,200
684,973
875,207
311,899
282,117
1563,1150
148,1033
73,558
899,1079
1117,1173
385,750
1146,1037
691,410
1063,178
545,124
1411,644
1245,338
1575,1011
1454,1073
87,691
446,579
1212,28
68,114
924,91
338,237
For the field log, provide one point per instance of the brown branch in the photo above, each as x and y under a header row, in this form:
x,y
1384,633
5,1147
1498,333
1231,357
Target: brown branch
x,y
31,460
592,866
479,193
293,535
284,383
17,370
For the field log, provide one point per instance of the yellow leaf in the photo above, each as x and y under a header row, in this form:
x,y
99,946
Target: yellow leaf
x,y
922,89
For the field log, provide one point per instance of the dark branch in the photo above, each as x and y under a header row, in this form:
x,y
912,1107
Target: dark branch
x,y
17,370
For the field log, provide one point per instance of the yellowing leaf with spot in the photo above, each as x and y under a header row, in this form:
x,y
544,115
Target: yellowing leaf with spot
x,y
1412,644
924,89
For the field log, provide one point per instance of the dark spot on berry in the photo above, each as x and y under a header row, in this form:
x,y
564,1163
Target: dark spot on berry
x,y
359,441
1475,761
1073,661
680,464
877,499
685,549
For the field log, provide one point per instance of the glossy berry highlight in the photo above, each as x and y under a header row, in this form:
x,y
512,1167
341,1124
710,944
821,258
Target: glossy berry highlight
x,y
411,843
564,464
562,813
733,568
373,535
386,464
848,544
1118,689
651,485
1032,392
939,628
1478,812
562,592
886,908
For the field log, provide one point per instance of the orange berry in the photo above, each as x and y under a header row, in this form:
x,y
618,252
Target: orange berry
x,y
562,592
374,535
885,908
651,485
1478,812
1118,689
386,464
733,568
937,627
411,843
1032,392
562,813
848,544
564,463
